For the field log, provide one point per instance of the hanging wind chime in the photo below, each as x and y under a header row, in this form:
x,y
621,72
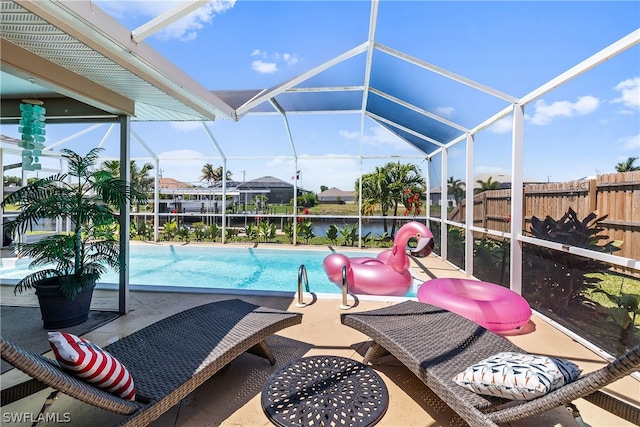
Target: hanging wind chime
x,y
31,127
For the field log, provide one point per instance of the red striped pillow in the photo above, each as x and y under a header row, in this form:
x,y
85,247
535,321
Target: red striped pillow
x,y
92,364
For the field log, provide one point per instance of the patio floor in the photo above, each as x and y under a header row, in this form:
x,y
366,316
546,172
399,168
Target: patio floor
x,y
232,397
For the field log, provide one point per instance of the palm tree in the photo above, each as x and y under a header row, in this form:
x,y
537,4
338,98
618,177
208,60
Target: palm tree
x,y
456,188
139,178
402,179
386,187
628,165
211,174
489,184
375,192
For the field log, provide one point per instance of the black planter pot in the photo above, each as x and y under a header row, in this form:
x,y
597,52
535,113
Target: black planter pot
x,y
59,312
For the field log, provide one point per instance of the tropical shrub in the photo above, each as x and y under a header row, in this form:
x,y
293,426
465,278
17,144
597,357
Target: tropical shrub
x,y
214,232
350,234
558,279
251,231
169,230
305,230
491,260
267,230
199,231
332,234
623,313
184,233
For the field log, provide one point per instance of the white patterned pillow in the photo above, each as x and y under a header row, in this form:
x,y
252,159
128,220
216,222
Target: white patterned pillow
x,y
92,364
518,376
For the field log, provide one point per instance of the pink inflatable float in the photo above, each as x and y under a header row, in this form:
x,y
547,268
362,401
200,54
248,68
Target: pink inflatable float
x,y
388,273
491,306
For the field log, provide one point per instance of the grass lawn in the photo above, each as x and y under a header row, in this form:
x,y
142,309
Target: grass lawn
x,y
615,284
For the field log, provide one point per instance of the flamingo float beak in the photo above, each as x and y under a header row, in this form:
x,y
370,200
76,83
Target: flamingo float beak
x,y
422,243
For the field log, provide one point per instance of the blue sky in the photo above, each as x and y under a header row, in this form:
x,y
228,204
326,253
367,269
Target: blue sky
x,y
580,129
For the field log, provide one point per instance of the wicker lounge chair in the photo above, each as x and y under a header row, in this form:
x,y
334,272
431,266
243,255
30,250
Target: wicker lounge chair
x,y
168,359
436,345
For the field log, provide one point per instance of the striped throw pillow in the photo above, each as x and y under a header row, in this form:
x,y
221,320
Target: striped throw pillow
x,y
518,376
92,364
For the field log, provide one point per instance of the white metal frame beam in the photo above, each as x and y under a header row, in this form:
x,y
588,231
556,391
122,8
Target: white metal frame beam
x,y
167,18
419,110
605,54
265,95
446,73
410,131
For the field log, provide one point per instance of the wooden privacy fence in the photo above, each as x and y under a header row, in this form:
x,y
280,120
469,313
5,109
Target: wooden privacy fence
x,y
616,195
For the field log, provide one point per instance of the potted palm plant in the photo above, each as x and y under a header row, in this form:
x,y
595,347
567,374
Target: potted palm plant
x,y
72,262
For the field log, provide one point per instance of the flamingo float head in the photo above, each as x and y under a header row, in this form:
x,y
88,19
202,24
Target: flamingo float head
x,y
398,260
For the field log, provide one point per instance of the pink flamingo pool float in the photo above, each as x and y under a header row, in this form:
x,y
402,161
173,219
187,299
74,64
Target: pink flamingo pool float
x,y
388,273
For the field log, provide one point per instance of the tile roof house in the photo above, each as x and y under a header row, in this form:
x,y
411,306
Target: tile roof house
x,y
335,195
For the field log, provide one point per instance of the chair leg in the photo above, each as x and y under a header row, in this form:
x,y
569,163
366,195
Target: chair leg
x,y
49,401
576,414
262,349
374,351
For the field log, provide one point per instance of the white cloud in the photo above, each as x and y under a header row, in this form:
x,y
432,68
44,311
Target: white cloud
x,y
380,136
180,154
377,136
349,135
268,64
631,143
544,114
630,93
504,125
186,126
445,112
185,29
264,67
289,59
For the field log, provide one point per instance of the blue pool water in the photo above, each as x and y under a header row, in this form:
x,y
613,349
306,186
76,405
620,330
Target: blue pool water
x,y
253,269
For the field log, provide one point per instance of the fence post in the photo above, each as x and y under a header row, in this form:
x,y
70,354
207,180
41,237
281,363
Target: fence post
x,y
593,195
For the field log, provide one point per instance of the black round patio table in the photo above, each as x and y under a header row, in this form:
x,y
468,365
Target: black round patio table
x,y
325,391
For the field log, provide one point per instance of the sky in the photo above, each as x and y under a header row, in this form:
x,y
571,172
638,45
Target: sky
x,y
580,129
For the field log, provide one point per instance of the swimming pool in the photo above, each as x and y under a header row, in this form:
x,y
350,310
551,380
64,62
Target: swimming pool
x,y
212,267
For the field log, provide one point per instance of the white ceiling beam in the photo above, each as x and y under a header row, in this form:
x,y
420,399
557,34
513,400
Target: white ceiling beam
x,y
411,131
373,21
144,145
419,110
167,18
324,89
446,73
493,119
72,137
286,125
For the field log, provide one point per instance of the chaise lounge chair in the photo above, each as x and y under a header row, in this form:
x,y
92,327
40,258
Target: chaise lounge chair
x,y
436,345
167,360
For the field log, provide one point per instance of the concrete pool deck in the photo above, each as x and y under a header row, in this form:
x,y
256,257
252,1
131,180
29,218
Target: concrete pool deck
x,y
232,397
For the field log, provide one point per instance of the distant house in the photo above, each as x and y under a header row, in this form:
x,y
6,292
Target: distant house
x,y
335,195
276,190
182,197
172,184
